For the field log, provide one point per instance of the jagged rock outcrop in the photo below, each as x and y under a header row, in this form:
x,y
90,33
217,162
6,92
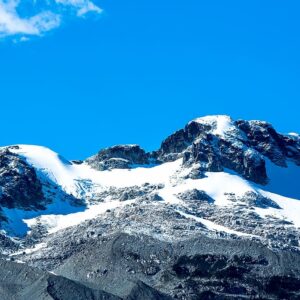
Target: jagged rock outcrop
x,y
257,200
19,184
177,142
200,142
195,195
215,143
119,157
242,147
264,138
24,188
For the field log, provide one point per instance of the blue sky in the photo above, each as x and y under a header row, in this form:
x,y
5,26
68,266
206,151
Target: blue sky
x,y
139,70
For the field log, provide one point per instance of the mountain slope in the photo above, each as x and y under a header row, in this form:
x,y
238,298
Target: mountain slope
x,y
216,180
19,281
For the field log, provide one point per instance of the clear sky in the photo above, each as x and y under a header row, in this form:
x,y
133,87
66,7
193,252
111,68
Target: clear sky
x,y
139,70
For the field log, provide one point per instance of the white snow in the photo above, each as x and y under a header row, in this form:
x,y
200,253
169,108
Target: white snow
x,y
290,208
36,247
73,178
213,226
67,175
55,167
17,217
283,188
215,184
137,176
56,222
81,180
294,134
223,123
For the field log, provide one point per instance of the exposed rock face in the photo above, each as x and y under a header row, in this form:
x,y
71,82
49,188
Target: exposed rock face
x,y
253,199
119,157
240,148
19,184
181,139
263,137
130,193
24,188
195,195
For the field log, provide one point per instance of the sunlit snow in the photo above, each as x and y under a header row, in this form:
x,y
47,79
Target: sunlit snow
x,y
73,179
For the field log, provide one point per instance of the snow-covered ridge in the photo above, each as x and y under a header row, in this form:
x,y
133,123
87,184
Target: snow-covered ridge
x,y
294,135
93,186
67,175
51,164
222,123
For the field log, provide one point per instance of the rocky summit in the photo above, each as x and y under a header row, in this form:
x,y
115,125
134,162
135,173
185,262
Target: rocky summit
x,y
214,213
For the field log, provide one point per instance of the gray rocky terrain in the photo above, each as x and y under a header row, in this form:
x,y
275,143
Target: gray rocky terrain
x,y
206,216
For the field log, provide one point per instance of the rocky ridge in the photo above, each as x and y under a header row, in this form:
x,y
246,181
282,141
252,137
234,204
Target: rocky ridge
x,y
197,219
242,146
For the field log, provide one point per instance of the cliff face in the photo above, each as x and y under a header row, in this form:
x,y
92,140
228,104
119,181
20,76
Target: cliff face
x,y
20,186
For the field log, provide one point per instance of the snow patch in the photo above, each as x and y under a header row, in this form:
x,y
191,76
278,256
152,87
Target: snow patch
x,y
294,134
215,227
54,223
290,208
216,185
17,218
222,123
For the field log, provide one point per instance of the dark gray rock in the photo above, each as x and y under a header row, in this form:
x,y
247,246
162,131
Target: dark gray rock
x,y
154,197
195,195
243,150
216,154
119,157
181,139
143,291
254,199
77,162
196,144
19,184
264,138
187,269
18,282
25,188
203,151
245,161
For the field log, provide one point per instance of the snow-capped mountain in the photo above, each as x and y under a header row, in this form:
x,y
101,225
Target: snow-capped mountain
x,y
230,184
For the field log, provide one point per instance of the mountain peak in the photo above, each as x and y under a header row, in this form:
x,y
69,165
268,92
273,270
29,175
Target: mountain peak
x,y
220,124
216,202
